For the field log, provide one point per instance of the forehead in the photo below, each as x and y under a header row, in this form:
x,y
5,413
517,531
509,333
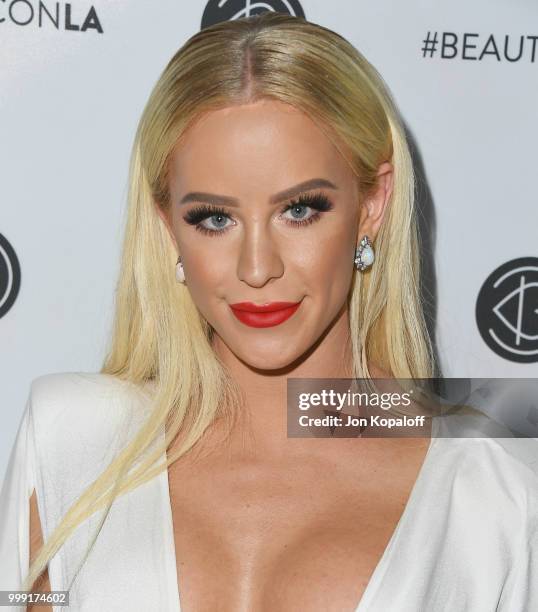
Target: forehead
x,y
265,144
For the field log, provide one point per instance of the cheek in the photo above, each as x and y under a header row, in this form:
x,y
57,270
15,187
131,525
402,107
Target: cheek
x,y
326,262
203,259
206,273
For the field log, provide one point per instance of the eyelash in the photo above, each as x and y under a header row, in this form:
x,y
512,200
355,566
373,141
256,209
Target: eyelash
x,y
317,201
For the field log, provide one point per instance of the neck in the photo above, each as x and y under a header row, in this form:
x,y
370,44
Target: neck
x,y
264,426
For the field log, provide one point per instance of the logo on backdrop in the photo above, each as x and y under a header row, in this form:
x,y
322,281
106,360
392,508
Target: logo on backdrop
x,y
480,47
507,310
43,14
10,276
228,10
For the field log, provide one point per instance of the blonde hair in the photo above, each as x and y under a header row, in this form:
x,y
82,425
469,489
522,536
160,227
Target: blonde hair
x,y
159,337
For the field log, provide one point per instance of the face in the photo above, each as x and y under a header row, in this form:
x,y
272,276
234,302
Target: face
x,y
264,208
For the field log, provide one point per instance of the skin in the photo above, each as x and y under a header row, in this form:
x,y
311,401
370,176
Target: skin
x,y
251,152
235,500
255,518
233,503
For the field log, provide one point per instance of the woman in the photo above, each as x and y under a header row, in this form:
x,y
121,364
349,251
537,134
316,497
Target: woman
x,y
268,161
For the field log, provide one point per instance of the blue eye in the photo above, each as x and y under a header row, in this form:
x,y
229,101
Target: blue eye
x,y
198,215
317,202
219,220
294,209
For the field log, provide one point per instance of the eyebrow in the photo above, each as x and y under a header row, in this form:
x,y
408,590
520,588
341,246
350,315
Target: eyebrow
x,y
220,200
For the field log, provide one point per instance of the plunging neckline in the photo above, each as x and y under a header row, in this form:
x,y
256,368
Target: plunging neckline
x,y
381,568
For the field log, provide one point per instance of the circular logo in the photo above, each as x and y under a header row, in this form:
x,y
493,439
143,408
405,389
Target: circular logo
x,y
10,276
507,310
228,10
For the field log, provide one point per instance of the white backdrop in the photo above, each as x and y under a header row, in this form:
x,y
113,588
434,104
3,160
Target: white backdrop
x,y
70,100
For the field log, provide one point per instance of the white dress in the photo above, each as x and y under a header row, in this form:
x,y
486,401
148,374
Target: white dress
x,y
466,542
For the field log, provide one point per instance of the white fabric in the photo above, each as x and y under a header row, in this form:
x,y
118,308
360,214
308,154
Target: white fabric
x,y
467,540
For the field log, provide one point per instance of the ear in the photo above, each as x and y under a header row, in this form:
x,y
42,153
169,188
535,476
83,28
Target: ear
x,y
374,207
165,216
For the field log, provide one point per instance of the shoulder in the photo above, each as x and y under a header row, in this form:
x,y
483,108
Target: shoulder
x,y
71,394
77,413
478,433
489,468
518,461
57,386
78,424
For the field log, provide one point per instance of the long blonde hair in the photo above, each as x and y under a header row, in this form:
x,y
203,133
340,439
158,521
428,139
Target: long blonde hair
x,y
159,337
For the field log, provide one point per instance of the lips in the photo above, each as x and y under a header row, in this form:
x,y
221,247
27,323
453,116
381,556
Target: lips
x,y
264,315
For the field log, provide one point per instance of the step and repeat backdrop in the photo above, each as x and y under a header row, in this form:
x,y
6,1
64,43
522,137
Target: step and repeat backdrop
x,y
74,77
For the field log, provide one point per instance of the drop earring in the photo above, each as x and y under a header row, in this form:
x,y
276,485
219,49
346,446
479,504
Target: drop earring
x,y
180,274
364,254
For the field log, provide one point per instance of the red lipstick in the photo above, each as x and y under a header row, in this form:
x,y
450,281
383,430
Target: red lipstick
x,y
264,315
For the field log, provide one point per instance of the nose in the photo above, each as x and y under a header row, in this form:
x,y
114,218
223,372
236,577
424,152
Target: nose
x,y
259,258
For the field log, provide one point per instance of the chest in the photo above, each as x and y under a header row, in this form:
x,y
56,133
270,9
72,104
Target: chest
x,y
282,538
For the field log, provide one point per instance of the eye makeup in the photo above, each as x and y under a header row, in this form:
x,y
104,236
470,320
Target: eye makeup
x,y
317,202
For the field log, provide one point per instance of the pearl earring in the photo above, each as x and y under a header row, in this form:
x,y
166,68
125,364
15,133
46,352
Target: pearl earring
x,y
364,254
180,274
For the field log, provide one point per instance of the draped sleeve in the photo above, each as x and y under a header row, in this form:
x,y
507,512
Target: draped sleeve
x,y
525,588
17,487
521,591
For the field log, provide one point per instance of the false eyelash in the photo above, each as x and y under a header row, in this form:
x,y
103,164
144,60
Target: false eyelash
x,y
317,201
198,214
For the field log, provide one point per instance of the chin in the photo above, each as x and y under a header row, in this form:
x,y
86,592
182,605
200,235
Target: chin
x,y
268,358
268,364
